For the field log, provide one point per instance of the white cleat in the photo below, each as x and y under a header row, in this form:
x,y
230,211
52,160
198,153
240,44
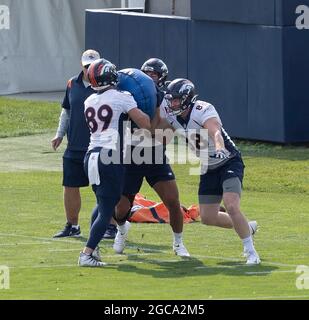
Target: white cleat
x,y
253,227
86,260
120,239
180,250
96,254
253,258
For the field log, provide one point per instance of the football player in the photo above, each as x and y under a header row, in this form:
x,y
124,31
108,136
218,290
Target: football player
x,y
158,173
105,112
223,167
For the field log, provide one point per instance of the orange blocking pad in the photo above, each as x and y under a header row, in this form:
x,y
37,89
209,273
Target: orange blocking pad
x,y
145,210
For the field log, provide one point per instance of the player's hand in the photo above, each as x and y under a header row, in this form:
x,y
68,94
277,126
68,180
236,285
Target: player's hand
x,y
56,142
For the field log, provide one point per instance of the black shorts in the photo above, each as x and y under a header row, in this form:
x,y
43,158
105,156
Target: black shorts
x,y
73,169
153,173
211,183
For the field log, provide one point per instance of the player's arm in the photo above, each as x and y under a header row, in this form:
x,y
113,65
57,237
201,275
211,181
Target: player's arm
x,y
140,118
64,118
63,125
214,130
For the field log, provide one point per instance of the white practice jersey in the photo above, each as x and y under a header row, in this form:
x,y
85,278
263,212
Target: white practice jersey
x,y
190,130
104,115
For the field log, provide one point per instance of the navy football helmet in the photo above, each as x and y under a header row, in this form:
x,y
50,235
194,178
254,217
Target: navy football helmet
x,y
102,74
158,66
181,89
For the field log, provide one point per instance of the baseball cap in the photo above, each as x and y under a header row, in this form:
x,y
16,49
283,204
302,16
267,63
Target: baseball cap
x,y
89,56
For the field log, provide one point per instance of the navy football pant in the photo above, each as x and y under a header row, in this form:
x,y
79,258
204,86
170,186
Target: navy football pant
x,y
101,220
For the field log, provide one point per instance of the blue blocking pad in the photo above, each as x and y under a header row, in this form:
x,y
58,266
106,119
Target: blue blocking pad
x,y
141,87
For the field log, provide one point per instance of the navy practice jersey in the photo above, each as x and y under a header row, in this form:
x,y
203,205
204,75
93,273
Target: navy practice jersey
x,y
78,132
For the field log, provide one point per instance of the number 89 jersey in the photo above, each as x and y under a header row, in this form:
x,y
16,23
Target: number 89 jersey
x,y
104,116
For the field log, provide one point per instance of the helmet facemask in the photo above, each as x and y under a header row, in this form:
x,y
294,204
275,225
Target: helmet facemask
x,y
185,103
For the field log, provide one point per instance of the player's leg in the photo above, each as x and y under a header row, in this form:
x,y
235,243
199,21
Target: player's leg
x,y
212,216
111,230
210,196
108,195
105,211
232,203
168,192
72,204
161,178
133,180
74,177
122,212
232,175
212,213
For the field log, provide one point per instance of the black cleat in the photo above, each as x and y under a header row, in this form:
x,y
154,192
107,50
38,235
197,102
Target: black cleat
x,y
68,231
110,232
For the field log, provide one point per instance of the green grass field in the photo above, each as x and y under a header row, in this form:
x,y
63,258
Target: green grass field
x,y
276,194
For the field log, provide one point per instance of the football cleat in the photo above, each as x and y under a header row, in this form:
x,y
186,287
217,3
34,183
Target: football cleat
x,y
68,231
86,260
180,250
253,258
120,239
110,232
96,254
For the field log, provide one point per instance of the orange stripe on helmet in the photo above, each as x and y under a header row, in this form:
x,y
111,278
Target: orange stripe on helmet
x,y
91,75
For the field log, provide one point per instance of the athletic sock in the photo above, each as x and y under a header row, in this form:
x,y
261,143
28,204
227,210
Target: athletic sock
x,y
248,244
177,238
122,228
75,226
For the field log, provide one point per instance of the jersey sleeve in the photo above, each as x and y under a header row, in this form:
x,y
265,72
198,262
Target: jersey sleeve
x,y
205,112
66,101
128,102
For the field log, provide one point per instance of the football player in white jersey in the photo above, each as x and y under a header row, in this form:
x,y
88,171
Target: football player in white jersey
x,y
105,112
223,169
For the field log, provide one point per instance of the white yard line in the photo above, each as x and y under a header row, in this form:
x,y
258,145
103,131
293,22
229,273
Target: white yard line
x,y
22,244
52,240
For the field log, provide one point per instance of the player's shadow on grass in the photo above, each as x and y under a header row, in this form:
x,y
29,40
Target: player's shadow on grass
x,y
188,267
148,248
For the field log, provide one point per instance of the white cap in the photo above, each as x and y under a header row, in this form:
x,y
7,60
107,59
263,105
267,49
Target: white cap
x,y
89,56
